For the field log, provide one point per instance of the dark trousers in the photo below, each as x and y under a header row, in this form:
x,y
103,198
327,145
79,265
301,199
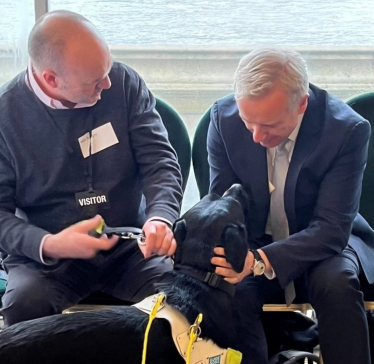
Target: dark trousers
x,y
333,289
35,290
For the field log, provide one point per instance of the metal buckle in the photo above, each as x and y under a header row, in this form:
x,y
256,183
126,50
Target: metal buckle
x,y
212,279
140,238
128,235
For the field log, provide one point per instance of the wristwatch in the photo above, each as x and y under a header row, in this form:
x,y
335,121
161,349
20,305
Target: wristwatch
x,y
259,265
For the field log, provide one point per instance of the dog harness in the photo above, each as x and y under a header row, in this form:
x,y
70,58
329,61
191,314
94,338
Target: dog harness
x,y
186,338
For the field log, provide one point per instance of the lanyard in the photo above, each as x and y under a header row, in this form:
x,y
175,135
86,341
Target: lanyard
x,y
88,165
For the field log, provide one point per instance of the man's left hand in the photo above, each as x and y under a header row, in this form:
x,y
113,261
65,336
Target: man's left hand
x,y
225,269
159,239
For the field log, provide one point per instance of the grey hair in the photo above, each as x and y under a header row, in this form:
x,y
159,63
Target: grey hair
x,y
47,43
265,68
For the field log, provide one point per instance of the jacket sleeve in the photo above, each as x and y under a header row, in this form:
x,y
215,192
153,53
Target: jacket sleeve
x,y
157,160
337,205
222,176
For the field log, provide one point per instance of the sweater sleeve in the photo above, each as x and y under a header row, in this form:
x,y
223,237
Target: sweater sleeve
x,y
17,237
157,160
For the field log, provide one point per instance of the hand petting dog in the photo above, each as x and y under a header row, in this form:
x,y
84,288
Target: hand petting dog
x,y
225,269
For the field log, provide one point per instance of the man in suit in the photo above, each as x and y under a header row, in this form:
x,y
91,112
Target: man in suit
x,y
301,154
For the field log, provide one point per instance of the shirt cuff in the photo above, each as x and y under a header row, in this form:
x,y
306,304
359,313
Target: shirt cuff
x,y
47,261
270,276
162,219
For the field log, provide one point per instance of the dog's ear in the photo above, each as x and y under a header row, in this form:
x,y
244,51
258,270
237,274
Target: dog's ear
x,y
240,194
180,231
234,240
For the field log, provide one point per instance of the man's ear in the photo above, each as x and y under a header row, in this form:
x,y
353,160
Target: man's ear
x,y
50,78
303,104
234,240
180,231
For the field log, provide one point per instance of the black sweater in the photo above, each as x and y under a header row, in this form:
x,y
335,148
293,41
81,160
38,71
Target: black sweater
x,y
42,167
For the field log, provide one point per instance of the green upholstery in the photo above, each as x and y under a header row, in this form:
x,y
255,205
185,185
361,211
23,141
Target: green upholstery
x,y
2,288
178,136
200,155
364,105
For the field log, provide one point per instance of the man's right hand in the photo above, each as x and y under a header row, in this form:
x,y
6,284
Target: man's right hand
x,y
74,241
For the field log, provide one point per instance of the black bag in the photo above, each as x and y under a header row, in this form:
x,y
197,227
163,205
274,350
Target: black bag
x,y
291,336
293,357
370,318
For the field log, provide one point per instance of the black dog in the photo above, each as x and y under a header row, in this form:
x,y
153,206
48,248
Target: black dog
x,y
116,335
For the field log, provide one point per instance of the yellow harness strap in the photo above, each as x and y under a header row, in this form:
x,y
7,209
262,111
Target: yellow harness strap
x,y
195,331
152,315
233,356
185,336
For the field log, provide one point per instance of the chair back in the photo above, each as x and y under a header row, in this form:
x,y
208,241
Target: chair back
x,y
363,104
200,155
178,137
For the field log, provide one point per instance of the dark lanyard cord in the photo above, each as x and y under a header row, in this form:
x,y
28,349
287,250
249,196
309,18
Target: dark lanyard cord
x,y
88,166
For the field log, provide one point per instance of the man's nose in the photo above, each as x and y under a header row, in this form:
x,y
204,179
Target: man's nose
x,y
258,134
105,83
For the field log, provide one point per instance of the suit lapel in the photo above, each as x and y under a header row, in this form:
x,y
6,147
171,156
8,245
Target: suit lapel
x,y
306,141
255,179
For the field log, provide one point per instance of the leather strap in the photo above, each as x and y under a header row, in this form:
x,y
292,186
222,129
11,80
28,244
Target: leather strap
x,y
211,278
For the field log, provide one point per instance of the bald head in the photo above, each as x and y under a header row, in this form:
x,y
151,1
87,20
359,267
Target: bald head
x,y
61,37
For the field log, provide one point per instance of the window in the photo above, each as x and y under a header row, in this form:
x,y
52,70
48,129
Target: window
x,y
16,21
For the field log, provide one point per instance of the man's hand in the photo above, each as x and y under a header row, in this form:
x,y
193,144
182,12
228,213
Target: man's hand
x,y
225,269
159,239
74,241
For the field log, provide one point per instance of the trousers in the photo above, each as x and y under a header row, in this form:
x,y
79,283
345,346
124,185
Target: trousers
x,y
333,288
36,290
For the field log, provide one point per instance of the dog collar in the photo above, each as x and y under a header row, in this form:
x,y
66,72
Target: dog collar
x,y
211,278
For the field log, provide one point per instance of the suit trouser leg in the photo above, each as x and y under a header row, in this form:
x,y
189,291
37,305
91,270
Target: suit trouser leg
x,y
32,293
36,290
250,296
130,277
334,291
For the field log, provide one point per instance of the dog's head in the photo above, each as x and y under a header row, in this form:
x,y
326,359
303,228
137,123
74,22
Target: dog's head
x,y
213,221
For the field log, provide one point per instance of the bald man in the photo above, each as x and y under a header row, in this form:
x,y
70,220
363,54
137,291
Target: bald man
x,y
81,140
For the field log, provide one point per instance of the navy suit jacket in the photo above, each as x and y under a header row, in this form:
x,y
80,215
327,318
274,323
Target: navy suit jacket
x,y
322,189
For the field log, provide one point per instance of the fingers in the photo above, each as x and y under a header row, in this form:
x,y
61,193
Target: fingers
x,y
159,239
229,275
222,262
224,268
87,225
219,251
108,243
172,249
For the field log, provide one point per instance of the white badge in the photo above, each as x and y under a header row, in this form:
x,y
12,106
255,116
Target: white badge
x,y
84,142
102,137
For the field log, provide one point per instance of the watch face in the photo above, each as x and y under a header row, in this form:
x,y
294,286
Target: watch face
x,y
259,268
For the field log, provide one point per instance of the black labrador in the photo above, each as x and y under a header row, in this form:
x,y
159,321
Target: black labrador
x,y
115,335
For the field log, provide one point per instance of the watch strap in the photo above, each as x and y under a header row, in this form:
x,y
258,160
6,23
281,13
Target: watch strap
x,y
258,268
256,254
